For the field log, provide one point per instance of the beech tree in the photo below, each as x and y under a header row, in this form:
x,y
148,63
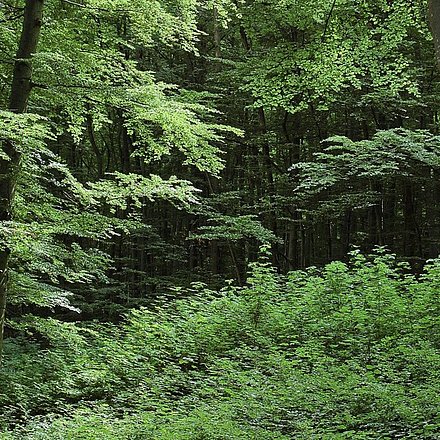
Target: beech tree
x,y
10,159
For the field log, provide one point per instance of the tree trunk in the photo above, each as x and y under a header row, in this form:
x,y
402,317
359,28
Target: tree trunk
x,y
412,239
434,21
270,180
20,91
217,36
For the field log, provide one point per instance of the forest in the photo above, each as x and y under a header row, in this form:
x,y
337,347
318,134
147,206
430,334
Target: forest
x,y
219,219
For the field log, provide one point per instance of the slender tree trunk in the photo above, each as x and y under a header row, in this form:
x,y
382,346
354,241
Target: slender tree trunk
x,y
235,263
95,148
389,215
217,36
346,228
412,240
270,180
20,91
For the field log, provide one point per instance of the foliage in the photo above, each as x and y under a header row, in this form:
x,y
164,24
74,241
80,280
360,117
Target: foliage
x,y
346,172
87,80
234,228
349,351
325,50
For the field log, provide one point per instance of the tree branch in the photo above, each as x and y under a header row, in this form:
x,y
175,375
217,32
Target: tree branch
x,y
97,8
327,22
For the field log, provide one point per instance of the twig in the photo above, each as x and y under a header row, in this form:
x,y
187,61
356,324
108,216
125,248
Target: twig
x,y
327,22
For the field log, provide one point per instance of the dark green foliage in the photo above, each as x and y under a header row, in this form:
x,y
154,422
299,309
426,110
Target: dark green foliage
x,y
346,352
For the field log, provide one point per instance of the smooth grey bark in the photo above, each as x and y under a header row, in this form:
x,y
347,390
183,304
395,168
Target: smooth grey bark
x,y
20,91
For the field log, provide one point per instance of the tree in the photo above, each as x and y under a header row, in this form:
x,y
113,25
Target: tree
x,y
10,159
434,20
98,124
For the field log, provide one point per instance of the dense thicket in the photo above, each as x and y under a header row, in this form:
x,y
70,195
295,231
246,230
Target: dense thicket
x,y
149,149
349,352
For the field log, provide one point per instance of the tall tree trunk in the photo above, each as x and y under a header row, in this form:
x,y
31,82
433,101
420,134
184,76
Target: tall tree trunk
x,y
217,36
434,21
412,240
270,180
95,148
20,91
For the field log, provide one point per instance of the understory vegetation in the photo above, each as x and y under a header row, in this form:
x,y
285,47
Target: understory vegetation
x,y
351,351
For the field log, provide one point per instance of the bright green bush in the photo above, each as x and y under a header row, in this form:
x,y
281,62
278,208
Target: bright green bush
x,y
347,352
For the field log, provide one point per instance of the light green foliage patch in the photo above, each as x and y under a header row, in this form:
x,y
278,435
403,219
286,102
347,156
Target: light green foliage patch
x,y
343,174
